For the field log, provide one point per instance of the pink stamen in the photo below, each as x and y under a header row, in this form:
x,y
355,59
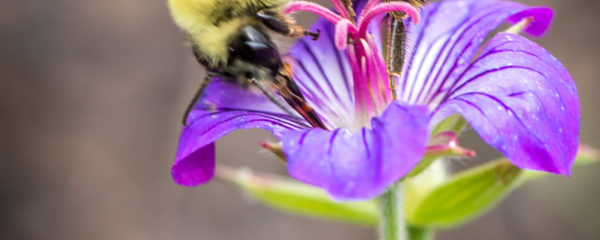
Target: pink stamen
x,y
367,49
296,6
368,101
340,8
381,69
360,87
375,80
368,14
341,33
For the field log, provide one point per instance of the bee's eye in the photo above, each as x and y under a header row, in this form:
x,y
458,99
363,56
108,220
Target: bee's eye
x,y
256,48
252,34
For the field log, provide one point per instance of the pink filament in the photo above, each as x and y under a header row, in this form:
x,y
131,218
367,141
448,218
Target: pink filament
x,y
378,82
360,87
381,69
368,14
341,33
296,6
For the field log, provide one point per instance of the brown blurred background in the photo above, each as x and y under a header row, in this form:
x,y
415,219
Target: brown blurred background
x,y
91,96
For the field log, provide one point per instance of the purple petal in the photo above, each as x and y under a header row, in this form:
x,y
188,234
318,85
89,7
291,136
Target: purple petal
x,y
197,169
447,39
324,75
521,100
362,164
224,107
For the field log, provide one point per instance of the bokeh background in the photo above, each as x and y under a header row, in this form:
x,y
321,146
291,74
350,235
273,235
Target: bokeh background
x,y
91,96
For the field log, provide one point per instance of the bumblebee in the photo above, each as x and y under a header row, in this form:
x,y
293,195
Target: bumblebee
x,y
230,38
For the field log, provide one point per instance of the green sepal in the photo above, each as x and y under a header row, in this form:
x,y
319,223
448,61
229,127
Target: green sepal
x,y
470,193
465,195
454,123
448,202
294,197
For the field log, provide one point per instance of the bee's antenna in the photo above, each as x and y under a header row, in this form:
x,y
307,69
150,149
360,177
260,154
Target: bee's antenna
x,y
273,98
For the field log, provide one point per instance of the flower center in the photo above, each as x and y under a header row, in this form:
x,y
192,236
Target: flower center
x,y
372,92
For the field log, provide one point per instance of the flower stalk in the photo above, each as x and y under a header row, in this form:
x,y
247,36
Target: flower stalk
x,y
392,225
419,233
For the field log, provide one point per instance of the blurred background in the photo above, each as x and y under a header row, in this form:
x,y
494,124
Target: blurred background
x,y
91,98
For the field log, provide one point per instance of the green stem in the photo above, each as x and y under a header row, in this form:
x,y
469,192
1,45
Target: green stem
x,y
419,233
392,225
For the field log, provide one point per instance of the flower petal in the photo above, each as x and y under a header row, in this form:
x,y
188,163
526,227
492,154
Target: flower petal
x,y
196,168
324,75
449,37
521,100
362,164
223,107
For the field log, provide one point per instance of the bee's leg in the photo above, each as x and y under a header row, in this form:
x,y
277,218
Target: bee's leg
x,y
191,105
350,9
292,95
395,43
285,26
417,3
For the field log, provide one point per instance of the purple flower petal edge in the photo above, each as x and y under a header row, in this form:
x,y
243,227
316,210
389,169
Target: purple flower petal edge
x,y
196,168
521,100
223,108
449,37
362,164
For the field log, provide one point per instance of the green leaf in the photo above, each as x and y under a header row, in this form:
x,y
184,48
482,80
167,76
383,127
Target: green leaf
x,y
298,198
470,193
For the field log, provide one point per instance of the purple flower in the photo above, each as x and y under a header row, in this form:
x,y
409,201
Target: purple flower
x,y
519,98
